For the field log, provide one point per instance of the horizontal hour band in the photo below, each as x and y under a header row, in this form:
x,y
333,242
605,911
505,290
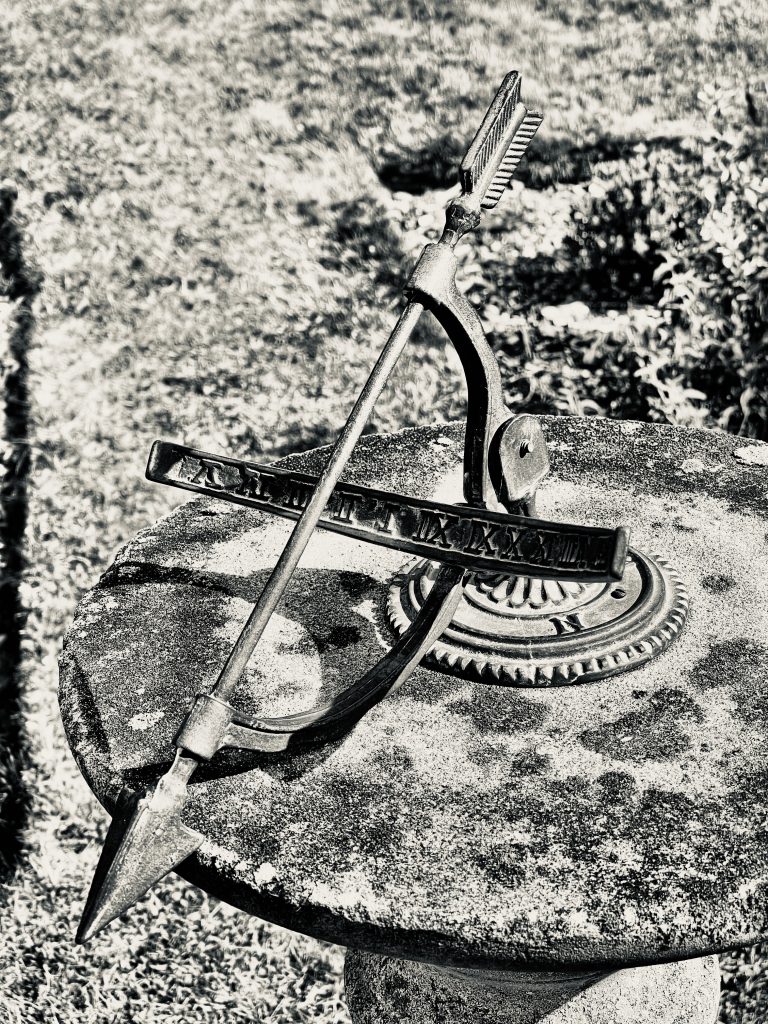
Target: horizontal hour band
x,y
473,538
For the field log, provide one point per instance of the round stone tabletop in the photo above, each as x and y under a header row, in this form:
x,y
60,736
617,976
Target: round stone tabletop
x,y
618,821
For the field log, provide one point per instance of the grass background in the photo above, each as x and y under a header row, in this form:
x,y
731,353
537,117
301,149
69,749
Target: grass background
x,y
217,203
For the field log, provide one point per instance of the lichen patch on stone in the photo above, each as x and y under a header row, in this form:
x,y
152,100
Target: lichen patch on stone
x,y
145,720
752,455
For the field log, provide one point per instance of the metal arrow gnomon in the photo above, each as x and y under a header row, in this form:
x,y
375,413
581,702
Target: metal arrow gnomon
x,y
504,460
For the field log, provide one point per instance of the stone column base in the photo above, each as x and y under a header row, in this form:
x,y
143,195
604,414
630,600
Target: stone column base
x,y
385,990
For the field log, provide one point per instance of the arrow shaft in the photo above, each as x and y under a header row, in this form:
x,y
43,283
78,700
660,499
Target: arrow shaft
x,y
302,532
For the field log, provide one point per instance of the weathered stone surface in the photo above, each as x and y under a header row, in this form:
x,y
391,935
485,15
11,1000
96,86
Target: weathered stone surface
x,y
385,990
622,821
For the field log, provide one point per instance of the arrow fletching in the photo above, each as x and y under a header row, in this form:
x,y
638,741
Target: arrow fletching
x,y
499,146
509,164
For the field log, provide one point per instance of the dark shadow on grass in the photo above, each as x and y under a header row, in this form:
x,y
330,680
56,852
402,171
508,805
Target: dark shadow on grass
x,y
434,166
551,160
19,283
614,279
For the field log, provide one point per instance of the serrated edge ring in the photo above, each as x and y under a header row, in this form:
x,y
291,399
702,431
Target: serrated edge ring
x,y
628,654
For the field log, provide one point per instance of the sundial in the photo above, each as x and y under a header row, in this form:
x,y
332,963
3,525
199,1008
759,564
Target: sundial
x,y
501,681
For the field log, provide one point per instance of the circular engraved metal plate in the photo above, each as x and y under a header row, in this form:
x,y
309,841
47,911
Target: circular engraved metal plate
x,y
520,631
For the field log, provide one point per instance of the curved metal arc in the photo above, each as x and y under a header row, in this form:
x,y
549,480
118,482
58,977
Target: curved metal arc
x,y
433,283
323,723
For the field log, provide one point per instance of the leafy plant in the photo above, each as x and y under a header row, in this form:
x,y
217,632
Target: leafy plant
x,y
682,229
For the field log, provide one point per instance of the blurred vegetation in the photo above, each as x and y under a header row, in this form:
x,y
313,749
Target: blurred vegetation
x,y
660,285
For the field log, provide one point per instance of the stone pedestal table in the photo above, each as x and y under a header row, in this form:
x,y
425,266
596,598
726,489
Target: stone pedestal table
x,y
488,853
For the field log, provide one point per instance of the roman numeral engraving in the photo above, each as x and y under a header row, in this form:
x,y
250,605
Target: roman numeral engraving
x,y
386,522
433,529
208,474
251,483
481,537
476,539
344,507
297,495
